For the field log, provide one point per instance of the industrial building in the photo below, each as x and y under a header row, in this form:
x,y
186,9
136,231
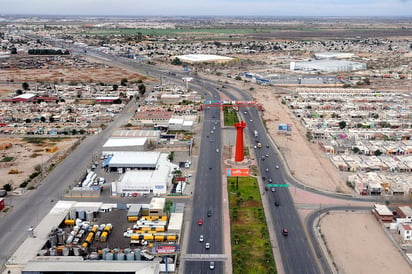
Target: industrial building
x,y
327,66
145,172
143,182
334,55
153,136
88,237
125,144
199,58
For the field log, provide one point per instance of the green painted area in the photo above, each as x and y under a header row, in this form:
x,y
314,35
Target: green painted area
x,y
248,228
277,185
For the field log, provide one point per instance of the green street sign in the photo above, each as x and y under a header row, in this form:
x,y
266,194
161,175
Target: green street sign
x,y
277,185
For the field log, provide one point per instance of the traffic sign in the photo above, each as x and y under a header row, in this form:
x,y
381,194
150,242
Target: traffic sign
x,y
277,185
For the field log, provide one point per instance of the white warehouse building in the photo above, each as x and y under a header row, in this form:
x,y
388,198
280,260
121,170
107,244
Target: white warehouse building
x,y
146,172
327,66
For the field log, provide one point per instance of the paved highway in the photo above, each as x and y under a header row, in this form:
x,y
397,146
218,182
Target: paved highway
x,y
207,195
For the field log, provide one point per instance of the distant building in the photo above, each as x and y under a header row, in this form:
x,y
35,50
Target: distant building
x,y
382,213
327,66
334,55
405,212
199,58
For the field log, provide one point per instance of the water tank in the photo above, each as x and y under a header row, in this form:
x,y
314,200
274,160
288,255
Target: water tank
x,y
61,237
76,251
109,256
137,255
89,215
53,251
119,256
130,256
105,251
65,251
81,214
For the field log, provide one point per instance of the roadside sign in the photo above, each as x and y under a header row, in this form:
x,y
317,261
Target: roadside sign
x,y
277,185
238,172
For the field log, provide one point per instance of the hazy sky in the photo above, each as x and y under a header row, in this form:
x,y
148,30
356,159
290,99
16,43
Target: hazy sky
x,y
210,7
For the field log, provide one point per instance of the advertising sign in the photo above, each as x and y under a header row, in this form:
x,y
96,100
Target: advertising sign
x,y
238,172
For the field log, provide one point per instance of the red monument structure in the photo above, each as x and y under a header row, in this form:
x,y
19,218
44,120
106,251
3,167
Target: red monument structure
x,y
239,153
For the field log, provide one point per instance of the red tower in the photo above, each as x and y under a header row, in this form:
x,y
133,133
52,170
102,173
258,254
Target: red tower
x,y
239,153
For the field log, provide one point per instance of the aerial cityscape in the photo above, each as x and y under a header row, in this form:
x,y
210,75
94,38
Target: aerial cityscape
x,y
157,138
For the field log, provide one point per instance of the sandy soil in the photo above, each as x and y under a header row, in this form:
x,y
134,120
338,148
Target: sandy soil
x,y
26,156
359,245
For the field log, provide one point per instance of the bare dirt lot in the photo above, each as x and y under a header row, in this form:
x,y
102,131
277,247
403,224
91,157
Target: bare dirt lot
x,y
20,160
359,245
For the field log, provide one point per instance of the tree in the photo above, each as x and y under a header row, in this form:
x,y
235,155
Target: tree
x,y
19,92
142,89
115,87
43,119
355,150
123,81
13,51
342,124
377,152
28,121
7,187
51,119
176,62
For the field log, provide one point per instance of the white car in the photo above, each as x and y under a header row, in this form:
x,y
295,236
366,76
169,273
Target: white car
x,y
277,166
201,238
212,265
207,245
217,150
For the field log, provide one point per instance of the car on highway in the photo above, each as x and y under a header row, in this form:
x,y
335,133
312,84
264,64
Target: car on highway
x,y
217,150
201,238
212,265
270,180
277,167
285,232
267,170
272,189
267,146
200,222
209,213
276,203
207,245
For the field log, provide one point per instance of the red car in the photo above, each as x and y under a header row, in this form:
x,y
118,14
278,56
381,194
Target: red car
x,y
200,222
285,232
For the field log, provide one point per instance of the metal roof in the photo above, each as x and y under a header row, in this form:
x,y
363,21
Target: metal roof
x,y
125,142
138,159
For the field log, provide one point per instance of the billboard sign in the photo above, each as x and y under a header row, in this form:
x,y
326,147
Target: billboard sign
x,y
165,249
238,172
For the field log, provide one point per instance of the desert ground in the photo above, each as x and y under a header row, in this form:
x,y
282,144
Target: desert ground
x,y
26,156
361,247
